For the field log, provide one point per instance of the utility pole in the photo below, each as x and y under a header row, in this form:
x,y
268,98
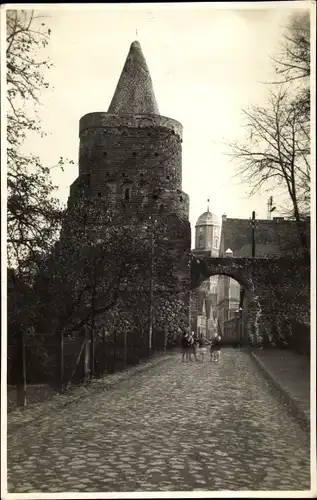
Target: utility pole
x,y
92,336
151,287
21,385
253,233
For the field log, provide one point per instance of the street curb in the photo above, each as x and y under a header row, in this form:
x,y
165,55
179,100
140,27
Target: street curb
x,y
284,395
62,401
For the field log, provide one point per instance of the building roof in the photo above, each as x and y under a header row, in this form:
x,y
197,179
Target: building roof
x,y
207,218
273,238
134,93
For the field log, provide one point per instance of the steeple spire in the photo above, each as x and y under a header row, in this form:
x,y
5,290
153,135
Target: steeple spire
x,y
134,93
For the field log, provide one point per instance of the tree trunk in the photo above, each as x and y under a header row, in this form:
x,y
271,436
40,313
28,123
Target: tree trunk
x,y
300,227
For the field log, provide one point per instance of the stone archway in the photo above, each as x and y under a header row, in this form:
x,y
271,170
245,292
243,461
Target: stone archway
x,y
242,270
272,289
202,269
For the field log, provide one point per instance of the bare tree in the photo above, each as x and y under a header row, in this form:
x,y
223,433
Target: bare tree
x,y
276,149
293,59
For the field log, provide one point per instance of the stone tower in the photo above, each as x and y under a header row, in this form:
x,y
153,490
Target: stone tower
x,y
132,156
131,152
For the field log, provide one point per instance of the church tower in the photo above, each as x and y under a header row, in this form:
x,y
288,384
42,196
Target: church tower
x,y
207,242
207,235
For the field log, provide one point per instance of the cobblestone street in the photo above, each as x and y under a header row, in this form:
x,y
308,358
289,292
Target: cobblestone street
x,y
178,426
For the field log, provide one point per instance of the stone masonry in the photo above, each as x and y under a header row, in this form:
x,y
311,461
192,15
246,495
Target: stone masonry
x,y
132,156
271,291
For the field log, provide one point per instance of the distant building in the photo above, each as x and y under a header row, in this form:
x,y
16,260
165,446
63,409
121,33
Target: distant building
x,y
228,298
207,242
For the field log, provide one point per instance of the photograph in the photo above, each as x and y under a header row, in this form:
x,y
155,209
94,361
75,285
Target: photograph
x,y
158,250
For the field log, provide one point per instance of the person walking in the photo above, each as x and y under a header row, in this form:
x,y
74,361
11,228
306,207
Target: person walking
x,y
194,345
215,349
185,344
203,342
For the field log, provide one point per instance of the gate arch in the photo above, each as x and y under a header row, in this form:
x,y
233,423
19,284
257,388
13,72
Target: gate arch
x,y
203,268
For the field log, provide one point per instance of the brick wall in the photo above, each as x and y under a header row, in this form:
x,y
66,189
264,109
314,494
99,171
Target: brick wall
x,y
272,238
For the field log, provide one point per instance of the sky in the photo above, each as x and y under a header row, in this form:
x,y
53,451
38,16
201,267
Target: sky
x,y
208,62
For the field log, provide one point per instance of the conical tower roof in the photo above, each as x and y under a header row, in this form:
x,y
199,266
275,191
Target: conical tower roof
x,y
134,94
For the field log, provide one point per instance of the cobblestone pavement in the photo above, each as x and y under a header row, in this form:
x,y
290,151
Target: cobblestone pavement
x,y
179,426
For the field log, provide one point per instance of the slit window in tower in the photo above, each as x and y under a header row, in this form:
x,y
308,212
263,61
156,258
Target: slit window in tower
x,y
127,194
216,242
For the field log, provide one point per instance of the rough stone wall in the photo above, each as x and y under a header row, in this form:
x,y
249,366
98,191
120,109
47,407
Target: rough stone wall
x,y
144,156
277,291
148,161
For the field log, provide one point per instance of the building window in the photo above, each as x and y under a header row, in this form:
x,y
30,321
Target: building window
x,y
201,241
127,194
216,242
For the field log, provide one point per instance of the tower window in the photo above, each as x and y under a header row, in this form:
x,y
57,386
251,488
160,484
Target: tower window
x,y
134,153
180,198
216,242
156,154
99,194
105,153
201,241
161,208
127,191
167,177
